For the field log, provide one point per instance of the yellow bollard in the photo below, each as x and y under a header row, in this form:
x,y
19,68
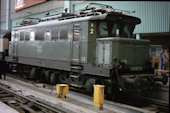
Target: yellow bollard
x,y
99,96
62,89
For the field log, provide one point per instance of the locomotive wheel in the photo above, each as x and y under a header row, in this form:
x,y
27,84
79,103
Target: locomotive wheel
x,y
47,76
53,78
24,71
42,73
13,68
20,70
39,75
32,74
63,77
89,85
10,67
165,80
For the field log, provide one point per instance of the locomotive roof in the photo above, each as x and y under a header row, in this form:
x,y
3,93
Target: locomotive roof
x,y
113,17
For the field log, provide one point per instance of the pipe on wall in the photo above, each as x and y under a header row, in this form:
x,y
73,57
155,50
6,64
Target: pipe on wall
x,y
68,5
138,36
7,14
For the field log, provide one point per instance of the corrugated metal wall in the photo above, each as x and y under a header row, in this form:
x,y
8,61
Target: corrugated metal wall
x,y
155,16
36,9
3,25
2,10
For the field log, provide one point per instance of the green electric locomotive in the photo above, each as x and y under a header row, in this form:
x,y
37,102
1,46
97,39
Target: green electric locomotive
x,y
92,46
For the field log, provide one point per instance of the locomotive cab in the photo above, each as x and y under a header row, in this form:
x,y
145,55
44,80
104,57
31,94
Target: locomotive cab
x,y
118,51
115,45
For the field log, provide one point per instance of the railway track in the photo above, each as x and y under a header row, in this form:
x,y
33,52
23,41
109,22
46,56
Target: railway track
x,y
25,104
158,105
153,105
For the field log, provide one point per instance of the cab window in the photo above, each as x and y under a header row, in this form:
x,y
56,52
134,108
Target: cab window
x,y
114,29
39,34
63,34
103,31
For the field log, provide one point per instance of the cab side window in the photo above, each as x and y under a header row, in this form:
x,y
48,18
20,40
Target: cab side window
x,y
54,34
103,31
63,34
39,35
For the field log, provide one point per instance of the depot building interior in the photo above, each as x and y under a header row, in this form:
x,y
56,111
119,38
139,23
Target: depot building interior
x,y
84,56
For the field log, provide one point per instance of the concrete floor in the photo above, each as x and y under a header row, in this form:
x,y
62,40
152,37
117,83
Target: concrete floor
x,y
74,105
6,109
77,103
162,93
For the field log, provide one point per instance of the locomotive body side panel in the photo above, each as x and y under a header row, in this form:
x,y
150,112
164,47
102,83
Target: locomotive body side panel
x,y
79,42
64,46
133,53
84,42
45,63
104,54
92,35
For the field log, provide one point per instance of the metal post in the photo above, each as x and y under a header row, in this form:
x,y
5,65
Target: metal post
x,y
99,96
7,14
62,90
138,36
68,5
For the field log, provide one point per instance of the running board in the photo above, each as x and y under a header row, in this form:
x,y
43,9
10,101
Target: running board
x,y
74,76
14,71
76,85
76,67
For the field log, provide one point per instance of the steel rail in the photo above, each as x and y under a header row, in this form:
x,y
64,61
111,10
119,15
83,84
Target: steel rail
x,y
160,104
31,100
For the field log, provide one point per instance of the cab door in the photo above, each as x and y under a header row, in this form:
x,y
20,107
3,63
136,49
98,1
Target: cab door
x,y
75,57
14,43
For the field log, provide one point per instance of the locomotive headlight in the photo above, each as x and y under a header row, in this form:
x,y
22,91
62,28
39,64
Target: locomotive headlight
x,y
124,61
